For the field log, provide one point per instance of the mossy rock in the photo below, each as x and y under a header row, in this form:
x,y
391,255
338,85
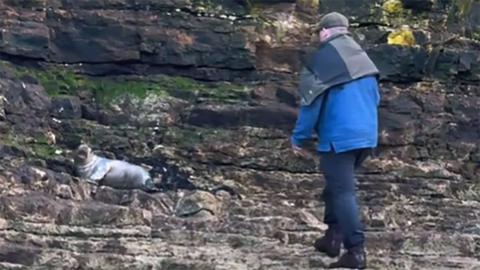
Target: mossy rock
x,y
198,202
62,81
34,148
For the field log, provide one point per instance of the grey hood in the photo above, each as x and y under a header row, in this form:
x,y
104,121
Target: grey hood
x,y
336,61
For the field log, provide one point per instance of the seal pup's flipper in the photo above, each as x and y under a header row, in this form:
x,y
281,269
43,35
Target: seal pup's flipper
x,y
150,187
101,170
227,189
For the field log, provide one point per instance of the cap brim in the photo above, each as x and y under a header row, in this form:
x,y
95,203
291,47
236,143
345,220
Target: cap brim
x,y
317,27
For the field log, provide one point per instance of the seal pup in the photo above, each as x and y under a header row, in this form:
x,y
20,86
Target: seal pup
x,y
113,173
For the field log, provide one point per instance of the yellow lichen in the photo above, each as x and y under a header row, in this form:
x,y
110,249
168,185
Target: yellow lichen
x,y
402,36
393,7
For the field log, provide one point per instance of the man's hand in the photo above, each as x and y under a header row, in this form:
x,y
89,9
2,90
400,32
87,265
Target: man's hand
x,y
299,152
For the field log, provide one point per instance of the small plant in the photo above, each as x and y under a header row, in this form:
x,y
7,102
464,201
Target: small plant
x,y
476,35
458,13
463,6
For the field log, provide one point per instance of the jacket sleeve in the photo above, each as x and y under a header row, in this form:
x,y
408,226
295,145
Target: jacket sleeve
x,y
307,120
307,83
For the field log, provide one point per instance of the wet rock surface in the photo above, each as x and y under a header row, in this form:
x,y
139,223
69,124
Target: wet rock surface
x,y
419,196
119,36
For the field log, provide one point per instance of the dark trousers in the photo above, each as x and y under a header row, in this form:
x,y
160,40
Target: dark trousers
x,y
341,207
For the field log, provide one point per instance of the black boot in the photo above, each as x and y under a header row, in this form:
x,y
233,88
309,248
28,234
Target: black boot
x,y
331,243
354,258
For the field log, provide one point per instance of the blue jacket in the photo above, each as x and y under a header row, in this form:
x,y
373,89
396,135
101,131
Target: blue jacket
x,y
344,117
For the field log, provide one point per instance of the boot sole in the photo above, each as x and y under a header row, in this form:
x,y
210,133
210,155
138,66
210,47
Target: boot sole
x,y
329,254
333,266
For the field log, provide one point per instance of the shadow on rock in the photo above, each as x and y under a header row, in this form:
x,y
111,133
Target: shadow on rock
x,y
159,203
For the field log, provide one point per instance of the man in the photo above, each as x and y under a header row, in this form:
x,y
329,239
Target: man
x,y
340,95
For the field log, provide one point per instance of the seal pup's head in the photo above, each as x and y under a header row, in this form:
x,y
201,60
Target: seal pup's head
x,y
84,155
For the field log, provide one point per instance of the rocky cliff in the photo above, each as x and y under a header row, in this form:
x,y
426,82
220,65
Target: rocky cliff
x,y
202,93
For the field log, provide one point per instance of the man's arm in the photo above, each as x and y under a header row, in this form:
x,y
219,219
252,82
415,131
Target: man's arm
x,y
306,121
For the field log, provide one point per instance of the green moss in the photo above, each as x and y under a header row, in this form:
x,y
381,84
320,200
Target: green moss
x,y
220,92
55,81
184,138
476,35
43,151
39,148
191,137
107,91
60,81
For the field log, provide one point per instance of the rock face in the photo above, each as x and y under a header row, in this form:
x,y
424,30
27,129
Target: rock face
x,y
66,107
419,197
214,41
118,36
